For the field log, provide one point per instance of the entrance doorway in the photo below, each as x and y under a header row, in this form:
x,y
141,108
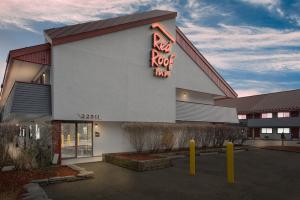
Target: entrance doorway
x,y
76,139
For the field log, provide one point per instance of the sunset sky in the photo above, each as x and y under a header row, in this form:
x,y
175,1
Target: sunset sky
x,y
254,44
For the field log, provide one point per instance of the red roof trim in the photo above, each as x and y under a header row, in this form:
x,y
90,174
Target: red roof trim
x,y
110,29
200,60
29,50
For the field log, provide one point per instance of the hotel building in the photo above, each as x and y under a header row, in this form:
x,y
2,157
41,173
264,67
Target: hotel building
x,y
269,115
88,79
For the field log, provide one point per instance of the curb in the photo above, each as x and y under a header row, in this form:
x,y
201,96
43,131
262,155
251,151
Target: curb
x,y
34,191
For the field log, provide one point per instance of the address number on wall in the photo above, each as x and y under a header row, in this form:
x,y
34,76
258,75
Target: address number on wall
x,y
89,116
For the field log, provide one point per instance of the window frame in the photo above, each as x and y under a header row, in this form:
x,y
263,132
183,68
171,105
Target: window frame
x,y
242,116
267,130
284,114
284,130
267,115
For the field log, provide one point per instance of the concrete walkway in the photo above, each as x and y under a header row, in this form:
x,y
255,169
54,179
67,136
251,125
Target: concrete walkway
x,y
260,174
261,143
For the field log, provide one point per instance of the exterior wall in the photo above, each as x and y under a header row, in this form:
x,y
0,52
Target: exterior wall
x,y
275,122
189,76
110,76
28,99
196,112
275,136
195,97
56,139
112,139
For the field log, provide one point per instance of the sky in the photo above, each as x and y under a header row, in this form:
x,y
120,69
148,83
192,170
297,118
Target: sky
x,y
253,44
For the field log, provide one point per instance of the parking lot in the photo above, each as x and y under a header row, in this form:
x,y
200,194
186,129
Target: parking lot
x,y
260,174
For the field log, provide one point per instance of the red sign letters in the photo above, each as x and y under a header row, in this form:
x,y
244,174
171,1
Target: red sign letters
x,y
161,57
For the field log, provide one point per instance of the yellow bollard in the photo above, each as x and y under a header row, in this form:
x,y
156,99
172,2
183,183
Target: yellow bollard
x,y
192,158
230,163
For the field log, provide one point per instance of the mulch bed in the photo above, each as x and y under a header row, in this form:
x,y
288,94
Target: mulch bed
x,y
137,156
295,149
13,181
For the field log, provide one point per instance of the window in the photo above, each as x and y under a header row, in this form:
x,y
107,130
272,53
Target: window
x,y
22,132
283,114
242,116
30,132
76,140
266,115
283,130
266,130
37,132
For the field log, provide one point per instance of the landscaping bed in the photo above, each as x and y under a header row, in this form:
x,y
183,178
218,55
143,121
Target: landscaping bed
x,y
147,161
138,161
295,149
12,182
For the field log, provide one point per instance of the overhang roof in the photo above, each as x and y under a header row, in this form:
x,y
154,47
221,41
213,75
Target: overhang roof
x,y
77,32
271,102
39,54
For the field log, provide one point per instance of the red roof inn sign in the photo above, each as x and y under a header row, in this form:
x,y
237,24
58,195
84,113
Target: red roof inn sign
x,y
162,58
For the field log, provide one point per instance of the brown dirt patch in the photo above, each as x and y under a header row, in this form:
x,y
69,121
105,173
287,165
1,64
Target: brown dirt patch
x,y
284,148
138,156
11,182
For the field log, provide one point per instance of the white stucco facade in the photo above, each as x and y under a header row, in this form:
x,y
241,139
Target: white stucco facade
x,y
109,76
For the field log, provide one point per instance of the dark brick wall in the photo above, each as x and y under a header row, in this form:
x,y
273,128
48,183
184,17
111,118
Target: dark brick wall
x,y
56,138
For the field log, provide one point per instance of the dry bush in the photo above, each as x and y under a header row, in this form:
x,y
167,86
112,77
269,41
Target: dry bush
x,y
220,135
8,135
168,141
165,136
153,139
137,137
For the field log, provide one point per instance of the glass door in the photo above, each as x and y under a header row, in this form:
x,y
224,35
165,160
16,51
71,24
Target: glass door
x,y
68,140
76,139
84,140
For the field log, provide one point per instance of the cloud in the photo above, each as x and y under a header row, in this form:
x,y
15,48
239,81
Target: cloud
x,y
240,37
245,93
246,47
21,13
2,69
261,61
269,4
254,87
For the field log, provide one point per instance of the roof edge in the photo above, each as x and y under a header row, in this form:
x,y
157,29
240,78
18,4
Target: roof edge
x,y
110,29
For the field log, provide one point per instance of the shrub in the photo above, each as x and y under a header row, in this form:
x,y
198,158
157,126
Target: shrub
x,y
8,136
164,136
153,139
136,137
168,141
